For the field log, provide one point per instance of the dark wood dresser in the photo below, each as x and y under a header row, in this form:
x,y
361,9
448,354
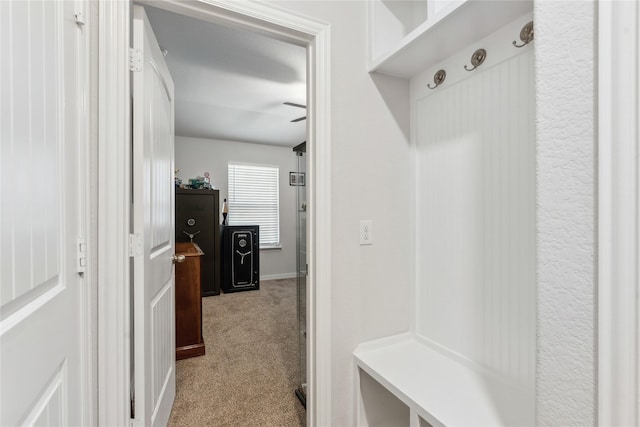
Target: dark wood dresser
x,y
197,215
189,341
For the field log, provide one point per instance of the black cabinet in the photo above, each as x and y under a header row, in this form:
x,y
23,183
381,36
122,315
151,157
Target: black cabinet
x,y
197,217
240,258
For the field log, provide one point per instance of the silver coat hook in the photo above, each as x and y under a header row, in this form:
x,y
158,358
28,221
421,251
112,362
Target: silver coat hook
x,y
477,59
438,79
526,35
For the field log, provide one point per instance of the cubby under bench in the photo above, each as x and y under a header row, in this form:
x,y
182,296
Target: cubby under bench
x,y
403,381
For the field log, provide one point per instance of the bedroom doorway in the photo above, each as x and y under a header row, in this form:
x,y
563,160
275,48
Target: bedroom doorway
x,y
314,37
240,106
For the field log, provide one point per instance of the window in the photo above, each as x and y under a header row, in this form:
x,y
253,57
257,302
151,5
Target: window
x,y
254,198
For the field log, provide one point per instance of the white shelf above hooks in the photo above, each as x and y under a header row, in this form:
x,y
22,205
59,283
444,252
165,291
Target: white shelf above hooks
x,y
449,29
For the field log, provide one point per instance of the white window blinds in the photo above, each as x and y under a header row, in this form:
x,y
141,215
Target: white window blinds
x,y
254,198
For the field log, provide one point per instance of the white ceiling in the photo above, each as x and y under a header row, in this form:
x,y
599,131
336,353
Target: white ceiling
x,y
230,84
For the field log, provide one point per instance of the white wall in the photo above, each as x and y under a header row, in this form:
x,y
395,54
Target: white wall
x,y
196,156
370,292
566,199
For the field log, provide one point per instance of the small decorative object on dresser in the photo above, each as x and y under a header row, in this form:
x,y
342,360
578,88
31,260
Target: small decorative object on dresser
x,y
225,212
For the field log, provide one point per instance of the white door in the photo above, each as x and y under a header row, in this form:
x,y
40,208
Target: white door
x,y
153,224
43,138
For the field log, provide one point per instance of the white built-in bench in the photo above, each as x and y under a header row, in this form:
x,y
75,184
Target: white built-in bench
x,y
402,381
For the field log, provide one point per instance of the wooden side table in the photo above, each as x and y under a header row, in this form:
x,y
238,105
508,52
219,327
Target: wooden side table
x,y
189,341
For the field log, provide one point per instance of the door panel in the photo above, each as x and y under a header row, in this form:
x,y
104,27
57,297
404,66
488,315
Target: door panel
x,y
153,206
42,123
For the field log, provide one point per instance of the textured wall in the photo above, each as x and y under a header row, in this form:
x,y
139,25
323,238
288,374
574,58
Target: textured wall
x,y
566,362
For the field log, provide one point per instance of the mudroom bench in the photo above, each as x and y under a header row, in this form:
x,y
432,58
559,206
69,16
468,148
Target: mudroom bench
x,y
404,381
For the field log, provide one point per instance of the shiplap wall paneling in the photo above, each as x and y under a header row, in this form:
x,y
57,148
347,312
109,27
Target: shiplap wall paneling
x,y
475,146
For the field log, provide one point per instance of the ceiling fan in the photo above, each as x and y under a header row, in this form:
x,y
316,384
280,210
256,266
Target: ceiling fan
x,y
293,104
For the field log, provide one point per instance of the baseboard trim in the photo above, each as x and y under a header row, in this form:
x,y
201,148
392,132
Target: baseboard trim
x,y
279,276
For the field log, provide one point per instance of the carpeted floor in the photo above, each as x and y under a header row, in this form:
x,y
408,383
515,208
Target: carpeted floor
x,y
248,375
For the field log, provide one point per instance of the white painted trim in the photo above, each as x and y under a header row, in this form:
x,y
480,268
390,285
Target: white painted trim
x,y
279,276
277,248
114,120
618,208
319,306
114,191
86,179
413,207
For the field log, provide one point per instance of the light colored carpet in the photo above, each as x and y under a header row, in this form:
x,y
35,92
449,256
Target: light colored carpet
x,y
249,372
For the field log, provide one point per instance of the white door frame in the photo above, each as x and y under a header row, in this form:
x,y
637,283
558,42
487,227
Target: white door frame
x,y
618,213
114,191
114,195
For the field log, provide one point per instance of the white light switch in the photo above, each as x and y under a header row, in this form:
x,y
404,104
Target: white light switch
x,y
366,232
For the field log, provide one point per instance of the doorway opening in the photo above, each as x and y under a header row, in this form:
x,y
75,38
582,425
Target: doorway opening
x,y
234,133
114,112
